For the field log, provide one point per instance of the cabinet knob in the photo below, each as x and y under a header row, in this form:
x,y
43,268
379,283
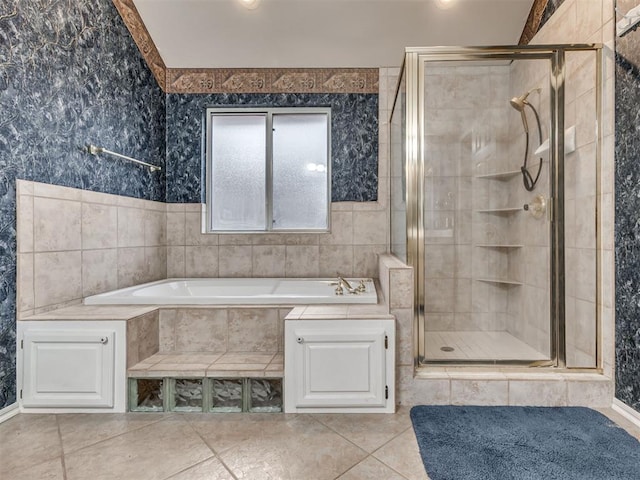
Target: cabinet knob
x,y
300,340
104,340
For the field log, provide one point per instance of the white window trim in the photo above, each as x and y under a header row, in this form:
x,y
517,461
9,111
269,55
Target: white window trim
x,y
269,112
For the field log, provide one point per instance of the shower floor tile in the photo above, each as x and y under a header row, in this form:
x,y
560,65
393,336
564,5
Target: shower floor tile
x,y
478,346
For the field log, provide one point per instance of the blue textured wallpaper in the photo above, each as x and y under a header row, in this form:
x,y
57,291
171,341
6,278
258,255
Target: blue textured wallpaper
x,y
70,74
354,138
549,10
627,221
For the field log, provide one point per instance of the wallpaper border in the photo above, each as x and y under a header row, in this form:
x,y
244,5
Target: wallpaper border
x,y
132,20
242,80
532,25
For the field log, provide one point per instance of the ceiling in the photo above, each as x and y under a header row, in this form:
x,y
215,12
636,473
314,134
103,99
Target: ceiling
x,y
322,33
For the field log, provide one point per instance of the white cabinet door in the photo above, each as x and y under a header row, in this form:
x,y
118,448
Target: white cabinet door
x,y
337,364
69,368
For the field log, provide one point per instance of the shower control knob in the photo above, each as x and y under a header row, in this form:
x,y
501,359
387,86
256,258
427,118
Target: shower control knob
x,y
537,207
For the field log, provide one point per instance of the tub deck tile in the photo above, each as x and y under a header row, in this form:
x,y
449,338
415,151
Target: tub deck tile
x,y
209,364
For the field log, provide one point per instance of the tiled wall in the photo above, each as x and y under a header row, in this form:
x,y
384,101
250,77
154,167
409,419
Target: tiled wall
x,y
222,330
354,140
585,21
74,243
71,75
358,234
359,230
627,193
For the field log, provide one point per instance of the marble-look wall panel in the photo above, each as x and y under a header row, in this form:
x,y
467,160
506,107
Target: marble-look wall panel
x,y
69,75
627,216
354,139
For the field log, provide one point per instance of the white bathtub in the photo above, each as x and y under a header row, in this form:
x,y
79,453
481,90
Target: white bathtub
x,y
236,291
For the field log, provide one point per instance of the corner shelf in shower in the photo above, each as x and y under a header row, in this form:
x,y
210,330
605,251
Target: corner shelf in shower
x,y
498,245
503,176
500,281
500,211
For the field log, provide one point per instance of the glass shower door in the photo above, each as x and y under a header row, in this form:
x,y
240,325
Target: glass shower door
x,y
487,232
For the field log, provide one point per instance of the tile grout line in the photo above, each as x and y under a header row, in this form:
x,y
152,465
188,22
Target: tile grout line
x,y
62,459
215,454
169,415
369,454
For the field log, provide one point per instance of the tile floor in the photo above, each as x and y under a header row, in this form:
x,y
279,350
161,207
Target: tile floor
x,y
142,446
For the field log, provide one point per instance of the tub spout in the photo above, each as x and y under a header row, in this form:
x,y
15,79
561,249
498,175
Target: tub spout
x,y
347,285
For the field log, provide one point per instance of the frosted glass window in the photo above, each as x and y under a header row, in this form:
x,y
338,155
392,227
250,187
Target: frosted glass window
x,y
268,169
300,171
238,172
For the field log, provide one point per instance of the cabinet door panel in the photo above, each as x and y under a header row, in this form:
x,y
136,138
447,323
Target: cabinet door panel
x,y
68,368
338,368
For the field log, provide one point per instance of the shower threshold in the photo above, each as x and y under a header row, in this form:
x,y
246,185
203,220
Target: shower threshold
x,y
478,346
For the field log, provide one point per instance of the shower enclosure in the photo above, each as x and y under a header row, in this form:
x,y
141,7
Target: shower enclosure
x,y
495,156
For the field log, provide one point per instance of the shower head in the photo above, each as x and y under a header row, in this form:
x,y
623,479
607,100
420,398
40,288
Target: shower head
x,y
519,102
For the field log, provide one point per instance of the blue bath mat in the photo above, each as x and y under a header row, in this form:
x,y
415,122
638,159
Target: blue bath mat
x,y
523,443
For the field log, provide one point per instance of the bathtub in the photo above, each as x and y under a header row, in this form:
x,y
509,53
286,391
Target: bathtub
x,y
236,291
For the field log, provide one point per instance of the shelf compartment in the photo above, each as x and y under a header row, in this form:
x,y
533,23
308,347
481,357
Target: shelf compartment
x,y
498,245
186,394
146,395
503,176
501,211
500,281
265,395
227,395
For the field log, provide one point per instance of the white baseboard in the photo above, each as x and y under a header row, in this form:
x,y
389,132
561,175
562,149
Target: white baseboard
x,y
626,411
7,412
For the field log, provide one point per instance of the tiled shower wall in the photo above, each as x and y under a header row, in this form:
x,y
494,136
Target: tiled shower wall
x,y
70,75
627,184
74,243
585,21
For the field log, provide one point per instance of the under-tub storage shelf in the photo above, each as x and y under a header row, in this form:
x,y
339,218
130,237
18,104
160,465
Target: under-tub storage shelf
x,y
500,211
205,394
503,176
500,281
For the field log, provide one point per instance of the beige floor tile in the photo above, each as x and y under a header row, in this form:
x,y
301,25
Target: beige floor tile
x,y
403,456
630,427
156,451
80,430
368,431
28,440
49,470
370,469
211,469
266,446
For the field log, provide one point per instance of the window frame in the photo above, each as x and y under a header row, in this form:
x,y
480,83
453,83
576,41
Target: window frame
x,y
269,113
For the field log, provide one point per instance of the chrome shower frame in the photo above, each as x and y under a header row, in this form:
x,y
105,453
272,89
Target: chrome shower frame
x,y
413,70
